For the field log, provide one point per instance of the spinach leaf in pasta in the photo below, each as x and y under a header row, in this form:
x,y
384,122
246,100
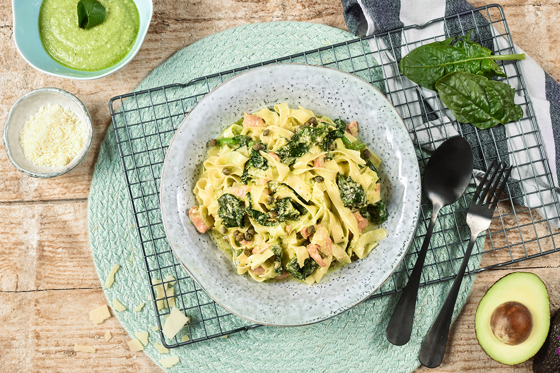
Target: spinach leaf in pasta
x,y
277,250
334,134
260,217
352,194
377,213
300,143
231,210
286,210
256,160
301,273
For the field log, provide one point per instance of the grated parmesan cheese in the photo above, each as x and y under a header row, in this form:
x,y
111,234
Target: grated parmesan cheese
x,y
135,345
108,336
99,314
53,136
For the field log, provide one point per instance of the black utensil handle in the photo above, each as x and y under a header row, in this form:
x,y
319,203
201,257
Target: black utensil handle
x,y
399,328
433,348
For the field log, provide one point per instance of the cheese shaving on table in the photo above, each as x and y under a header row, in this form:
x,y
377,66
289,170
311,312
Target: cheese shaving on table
x,y
139,307
135,345
111,277
185,338
99,314
143,337
79,348
169,361
108,336
53,137
174,323
161,349
118,306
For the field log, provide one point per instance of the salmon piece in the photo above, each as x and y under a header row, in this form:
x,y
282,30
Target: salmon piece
x,y
304,233
352,128
275,156
282,276
259,271
313,250
362,223
252,121
319,162
240,191
288,229
261,248
197,220
244,243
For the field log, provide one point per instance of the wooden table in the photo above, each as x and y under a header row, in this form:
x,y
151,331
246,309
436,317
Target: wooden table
x,y
47,277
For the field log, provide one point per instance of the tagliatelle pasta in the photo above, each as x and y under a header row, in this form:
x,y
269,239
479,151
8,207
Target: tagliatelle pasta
x,y
287,193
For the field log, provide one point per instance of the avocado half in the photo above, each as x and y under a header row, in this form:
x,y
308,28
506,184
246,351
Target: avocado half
x,y
513,318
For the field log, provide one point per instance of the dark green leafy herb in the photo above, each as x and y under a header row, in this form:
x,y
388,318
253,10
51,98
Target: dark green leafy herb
x,y
90,13
334,134
477,100
428,63
256,160
356,145
300,144
352,194
260,217
277,250
377,213
309,266
286,210
231,210
372,166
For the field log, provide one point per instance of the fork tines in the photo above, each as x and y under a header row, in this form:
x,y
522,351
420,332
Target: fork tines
x,y
490,185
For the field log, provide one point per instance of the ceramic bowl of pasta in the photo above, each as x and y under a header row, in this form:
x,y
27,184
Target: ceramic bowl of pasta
x,y
291,193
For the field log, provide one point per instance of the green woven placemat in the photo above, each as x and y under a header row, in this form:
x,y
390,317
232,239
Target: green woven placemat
x,y
353,341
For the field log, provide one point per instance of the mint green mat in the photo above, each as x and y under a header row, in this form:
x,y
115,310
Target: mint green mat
x,y
354,341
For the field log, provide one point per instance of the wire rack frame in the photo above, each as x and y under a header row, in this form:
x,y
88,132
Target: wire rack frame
x,y
144,123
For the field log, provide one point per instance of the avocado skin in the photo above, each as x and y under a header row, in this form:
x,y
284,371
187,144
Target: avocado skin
x,y
547,359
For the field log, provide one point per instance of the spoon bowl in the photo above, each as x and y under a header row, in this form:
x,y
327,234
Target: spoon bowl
x,y
448,172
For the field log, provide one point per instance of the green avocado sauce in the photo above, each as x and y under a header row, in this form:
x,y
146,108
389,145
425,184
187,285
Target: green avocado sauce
x,y
95,49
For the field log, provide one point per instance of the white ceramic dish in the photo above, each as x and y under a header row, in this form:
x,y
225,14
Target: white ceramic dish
x,y
326,92
27,106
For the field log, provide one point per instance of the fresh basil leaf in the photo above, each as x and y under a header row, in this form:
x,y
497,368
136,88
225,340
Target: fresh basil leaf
x,y
477,100
428,63
90,13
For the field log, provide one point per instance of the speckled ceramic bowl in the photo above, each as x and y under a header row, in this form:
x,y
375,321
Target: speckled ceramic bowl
x,y
326,92
27,106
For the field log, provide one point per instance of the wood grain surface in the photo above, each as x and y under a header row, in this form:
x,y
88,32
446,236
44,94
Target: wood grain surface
x,y
47,277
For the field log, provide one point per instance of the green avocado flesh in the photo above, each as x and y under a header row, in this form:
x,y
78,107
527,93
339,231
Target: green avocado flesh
x,y
97,48
513,295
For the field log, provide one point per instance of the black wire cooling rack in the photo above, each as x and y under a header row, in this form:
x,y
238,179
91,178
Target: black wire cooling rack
x,y
145,121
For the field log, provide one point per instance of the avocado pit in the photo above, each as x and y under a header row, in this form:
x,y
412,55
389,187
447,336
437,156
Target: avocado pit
x,y
511,323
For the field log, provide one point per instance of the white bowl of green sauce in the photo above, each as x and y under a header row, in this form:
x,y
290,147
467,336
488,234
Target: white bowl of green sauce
x,y
48,37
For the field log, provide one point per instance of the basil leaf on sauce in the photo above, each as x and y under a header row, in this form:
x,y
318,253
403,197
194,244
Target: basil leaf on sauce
x,y
90,13
477,100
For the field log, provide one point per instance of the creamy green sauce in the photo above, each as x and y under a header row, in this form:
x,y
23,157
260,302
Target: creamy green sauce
x,y
95,49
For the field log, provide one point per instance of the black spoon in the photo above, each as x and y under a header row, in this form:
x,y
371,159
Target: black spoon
x,y
446,177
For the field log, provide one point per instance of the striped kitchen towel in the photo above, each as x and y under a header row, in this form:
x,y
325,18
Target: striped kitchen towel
x,y
514,143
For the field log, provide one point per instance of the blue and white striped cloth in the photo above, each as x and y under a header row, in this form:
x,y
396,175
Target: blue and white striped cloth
x,y
365,17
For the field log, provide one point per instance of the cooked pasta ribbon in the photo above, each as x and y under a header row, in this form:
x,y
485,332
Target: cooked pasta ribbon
x,y
284,197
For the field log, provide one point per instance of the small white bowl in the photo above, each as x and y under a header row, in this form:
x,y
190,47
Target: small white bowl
x,y
27,106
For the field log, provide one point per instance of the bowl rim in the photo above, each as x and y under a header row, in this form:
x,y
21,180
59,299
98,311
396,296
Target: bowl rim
x,y
84,152
119,65
409,238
